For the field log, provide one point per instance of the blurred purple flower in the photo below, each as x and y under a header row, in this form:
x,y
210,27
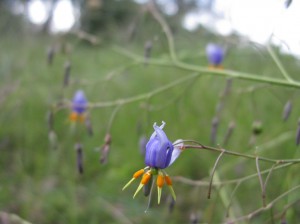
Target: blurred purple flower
x,y
79,106
215,54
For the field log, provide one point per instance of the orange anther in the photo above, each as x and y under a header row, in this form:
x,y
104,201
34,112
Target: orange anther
x,y
73,116
168,180
138,173
160,181
146,178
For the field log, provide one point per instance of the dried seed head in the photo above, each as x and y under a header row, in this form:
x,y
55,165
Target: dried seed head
x,y
107,139
147,50
287,110
214,128
104,153
298,133
257,128
78,148
50,55
67,68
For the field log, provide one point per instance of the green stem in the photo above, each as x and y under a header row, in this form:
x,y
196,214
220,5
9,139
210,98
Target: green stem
x,y
254,157
142,96
278,63
203,70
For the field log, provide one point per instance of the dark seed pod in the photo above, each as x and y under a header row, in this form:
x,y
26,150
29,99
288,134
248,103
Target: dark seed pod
x,y
67,68
107,139
78,148
287,110
298,134
257,128
104,154
147,49
214,128
50,55
147,187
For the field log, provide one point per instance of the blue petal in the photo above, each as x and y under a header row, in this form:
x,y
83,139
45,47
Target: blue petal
x,y
158,149
178,144
79,102
215,54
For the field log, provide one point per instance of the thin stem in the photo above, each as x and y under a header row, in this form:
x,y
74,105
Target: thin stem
x,y
231,197
112,117
158,17
267,180
269,206
260,182
200,146
212,174
233,181
141,96
278,63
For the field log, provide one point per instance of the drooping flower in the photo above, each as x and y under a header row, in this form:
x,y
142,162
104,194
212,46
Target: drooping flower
x,y
160,154
215,55
79,106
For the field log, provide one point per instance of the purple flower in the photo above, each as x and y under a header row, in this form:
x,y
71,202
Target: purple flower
x,y
79,102
79,105
158,149
215,54
160,154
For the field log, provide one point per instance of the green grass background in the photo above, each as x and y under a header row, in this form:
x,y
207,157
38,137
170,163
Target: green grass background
x,y
41,184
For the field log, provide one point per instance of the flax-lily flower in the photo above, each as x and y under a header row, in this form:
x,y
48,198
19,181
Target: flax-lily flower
x,y
79,106
160,154
215,55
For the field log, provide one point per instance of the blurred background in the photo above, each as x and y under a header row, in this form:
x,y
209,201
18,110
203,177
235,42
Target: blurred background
x,y
51,49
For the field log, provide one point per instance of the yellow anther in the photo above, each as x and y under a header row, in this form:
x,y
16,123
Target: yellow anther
x,y
146,178
168,180
73,117
160,181
138,173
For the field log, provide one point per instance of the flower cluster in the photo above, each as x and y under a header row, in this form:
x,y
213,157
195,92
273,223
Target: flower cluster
x,y
79,106
160,154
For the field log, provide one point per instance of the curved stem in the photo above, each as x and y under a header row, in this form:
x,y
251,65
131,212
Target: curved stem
x,y
158,17
212,174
